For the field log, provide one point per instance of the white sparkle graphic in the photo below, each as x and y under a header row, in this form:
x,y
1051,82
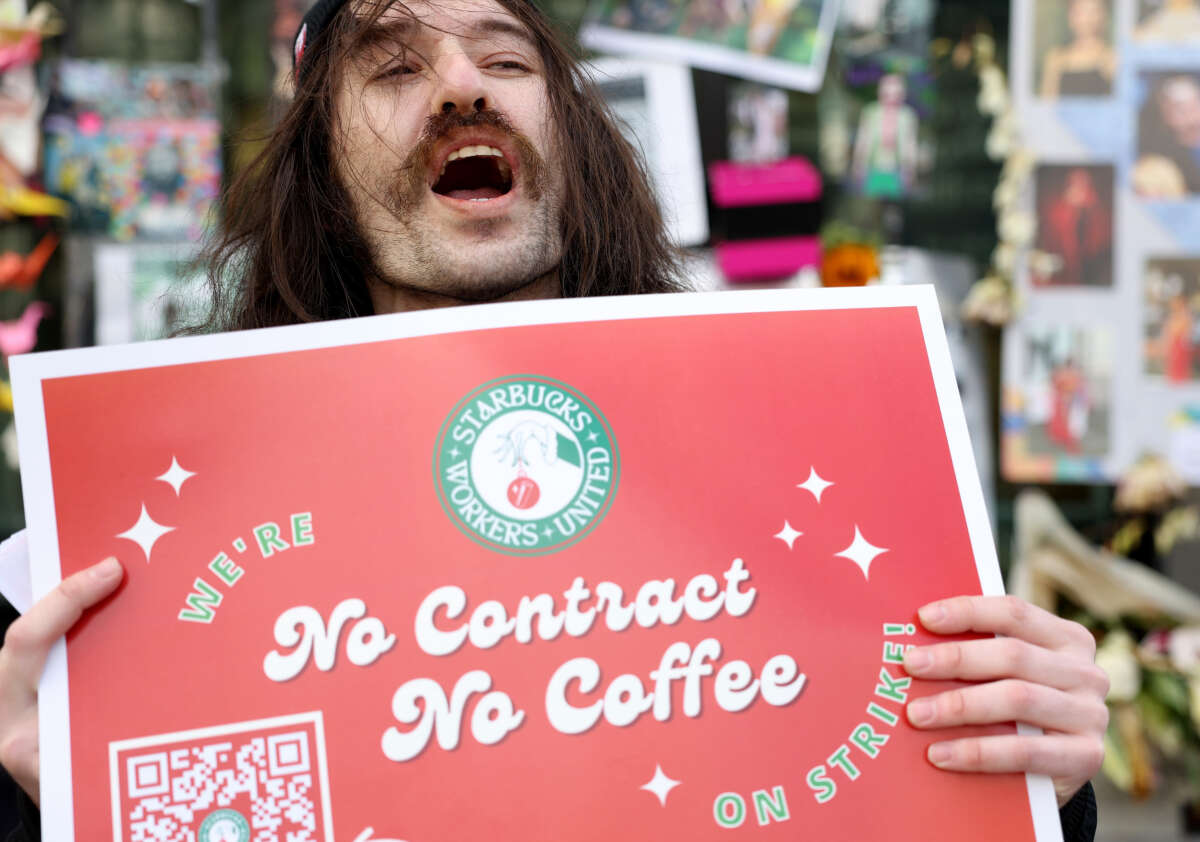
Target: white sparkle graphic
x,y
145,532
815,484
660,785
176,476
862,552
788,535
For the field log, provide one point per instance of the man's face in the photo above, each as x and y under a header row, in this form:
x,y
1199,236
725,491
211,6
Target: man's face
x,y
891,90
1086,18
447,152
1181,109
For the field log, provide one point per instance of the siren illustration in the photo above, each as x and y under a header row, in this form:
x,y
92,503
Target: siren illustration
x,y
524,492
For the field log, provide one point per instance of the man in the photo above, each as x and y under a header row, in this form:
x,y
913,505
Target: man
x,y
449,152
885,153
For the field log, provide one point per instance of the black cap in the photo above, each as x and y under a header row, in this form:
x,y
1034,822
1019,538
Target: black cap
x,y
315,20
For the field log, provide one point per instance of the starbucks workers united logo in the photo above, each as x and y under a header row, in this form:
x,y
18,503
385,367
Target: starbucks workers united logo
x,y
224,825
526,465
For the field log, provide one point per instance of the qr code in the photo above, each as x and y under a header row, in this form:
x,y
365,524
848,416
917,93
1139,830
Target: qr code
x,y
261,781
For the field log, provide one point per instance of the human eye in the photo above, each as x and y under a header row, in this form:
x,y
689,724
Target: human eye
x,y
508,65
399,70
398,64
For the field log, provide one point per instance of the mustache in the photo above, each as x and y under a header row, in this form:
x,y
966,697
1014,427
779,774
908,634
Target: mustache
x,y
409,184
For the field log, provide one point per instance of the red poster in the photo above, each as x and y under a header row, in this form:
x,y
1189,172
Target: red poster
x,y
630,568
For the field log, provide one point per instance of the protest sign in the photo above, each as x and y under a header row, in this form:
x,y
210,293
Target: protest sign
x,y
626,568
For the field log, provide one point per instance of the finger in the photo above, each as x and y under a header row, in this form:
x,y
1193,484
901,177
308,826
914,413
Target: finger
x,y
1010,701
1009,616
30,637
1005,657
1056,755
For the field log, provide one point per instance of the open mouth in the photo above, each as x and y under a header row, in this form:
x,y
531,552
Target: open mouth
x,y
475,173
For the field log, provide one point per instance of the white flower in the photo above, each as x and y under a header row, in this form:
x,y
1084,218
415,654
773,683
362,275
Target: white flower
x,y
1016,228
985,49
999,143
1044,264
1183,647
989,301
993,90
1004,259
1019,165
1149,484
1006,194
1117,657
1002,139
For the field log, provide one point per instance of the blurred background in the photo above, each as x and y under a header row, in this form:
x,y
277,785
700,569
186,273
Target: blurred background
x,y
1038,161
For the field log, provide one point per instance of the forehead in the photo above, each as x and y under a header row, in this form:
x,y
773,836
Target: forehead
x,y
432,19
1181,89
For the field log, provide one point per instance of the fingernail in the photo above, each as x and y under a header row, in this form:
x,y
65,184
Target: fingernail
x,y
933,613
920,711
939,754
917,660
110,568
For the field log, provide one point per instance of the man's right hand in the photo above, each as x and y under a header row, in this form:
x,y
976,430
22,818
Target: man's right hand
x,y
23,656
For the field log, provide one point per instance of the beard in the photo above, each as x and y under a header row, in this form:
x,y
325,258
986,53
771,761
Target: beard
x,y
483,259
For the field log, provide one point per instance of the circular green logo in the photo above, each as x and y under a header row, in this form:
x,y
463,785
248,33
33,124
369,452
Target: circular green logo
x,y
526,465
224,825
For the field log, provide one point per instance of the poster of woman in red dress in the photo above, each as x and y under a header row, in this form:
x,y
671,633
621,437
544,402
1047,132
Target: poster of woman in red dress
x,y
1068,423
1075,210
1172,289
1061,408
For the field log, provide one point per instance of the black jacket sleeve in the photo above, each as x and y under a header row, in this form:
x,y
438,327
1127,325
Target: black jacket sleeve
x,y
29,822
30,828
1079,816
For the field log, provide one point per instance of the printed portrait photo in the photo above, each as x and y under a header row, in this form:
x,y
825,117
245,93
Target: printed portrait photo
x,y
887,145
1065,382
883,29
758,123
1073,51
1167,22
1075,224
776,42
1167,159
782,29
1172,318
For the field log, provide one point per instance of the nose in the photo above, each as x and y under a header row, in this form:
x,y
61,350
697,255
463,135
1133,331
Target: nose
x,y
460,85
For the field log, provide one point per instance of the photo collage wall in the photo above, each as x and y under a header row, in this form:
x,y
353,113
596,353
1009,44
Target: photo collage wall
x,y
1103,361
777,42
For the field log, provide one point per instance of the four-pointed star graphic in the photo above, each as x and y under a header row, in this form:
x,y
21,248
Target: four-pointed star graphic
x,y
660,785
145,532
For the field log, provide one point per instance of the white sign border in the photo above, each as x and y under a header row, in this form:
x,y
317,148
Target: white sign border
x,y
28,372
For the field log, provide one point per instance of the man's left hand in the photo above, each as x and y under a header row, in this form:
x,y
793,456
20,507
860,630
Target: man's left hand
x,y
1042,671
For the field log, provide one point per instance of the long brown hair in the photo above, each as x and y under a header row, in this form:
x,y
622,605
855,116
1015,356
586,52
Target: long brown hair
x,y
289,249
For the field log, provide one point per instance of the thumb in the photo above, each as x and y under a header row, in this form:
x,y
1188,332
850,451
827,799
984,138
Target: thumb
x,y
30,637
